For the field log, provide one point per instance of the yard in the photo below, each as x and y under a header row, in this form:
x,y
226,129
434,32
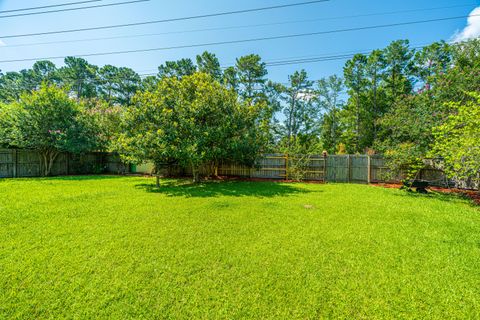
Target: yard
x,y
116,247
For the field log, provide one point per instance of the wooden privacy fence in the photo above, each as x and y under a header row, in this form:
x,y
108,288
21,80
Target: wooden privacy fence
x,y
332,168
26,163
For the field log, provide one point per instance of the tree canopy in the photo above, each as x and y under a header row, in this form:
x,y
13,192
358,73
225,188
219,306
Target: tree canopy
x,y
395,101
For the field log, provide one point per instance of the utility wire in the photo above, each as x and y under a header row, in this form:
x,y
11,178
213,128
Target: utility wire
x,y
50,6
73,9
288,36
164,20
226,28
295,61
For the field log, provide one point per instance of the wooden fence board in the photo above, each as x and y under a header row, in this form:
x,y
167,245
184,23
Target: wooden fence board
x,y
359,168
338,168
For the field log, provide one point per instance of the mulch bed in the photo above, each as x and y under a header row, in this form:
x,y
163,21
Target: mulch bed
x,y
472,194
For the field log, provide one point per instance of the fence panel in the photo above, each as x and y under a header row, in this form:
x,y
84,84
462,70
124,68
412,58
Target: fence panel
x,y
27,163
271,166
315,169
338,168
59,166
359,168
378,169
234,170
7,163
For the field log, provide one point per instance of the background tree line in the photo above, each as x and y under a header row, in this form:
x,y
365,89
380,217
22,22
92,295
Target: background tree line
x,y
406,103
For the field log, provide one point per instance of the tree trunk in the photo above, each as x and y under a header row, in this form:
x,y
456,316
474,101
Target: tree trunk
x,y
333,133
49,157
290,118
157,183
357,138
215,170
294,119
195,174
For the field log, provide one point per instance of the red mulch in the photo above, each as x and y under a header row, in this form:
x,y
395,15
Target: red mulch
x,y
472,194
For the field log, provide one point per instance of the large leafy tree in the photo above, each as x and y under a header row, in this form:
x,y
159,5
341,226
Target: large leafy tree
x,y
457,140
49,121
446,73
11,86
8,120
193,122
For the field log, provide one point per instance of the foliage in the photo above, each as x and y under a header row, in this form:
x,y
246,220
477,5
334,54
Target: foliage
x,y
193,121
251,73
117,85
299,152
300,111
328,97
8,119
457,140
407,133
388,101
178,69
208,63
49,121
107,119
80,76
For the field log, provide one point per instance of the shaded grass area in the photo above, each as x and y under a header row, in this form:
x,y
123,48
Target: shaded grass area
x,y
116,247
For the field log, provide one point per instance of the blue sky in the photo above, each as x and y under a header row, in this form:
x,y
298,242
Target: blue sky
x,y
355,41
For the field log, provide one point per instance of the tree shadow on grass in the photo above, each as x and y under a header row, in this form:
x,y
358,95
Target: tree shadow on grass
x,y
185,188
74,178
447,197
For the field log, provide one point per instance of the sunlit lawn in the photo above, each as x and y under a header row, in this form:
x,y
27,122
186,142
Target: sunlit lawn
x,y
115,247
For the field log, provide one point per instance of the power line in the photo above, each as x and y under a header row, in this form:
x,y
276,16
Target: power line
x,y
289,36
165,20
299,60
50,6
73,9
229,28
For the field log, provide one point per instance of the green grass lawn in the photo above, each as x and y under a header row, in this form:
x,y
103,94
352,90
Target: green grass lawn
x,y
115,247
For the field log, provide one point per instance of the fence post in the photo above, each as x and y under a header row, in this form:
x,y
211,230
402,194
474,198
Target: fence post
x,y
15,162
369,170
348,169
286,166
324,166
